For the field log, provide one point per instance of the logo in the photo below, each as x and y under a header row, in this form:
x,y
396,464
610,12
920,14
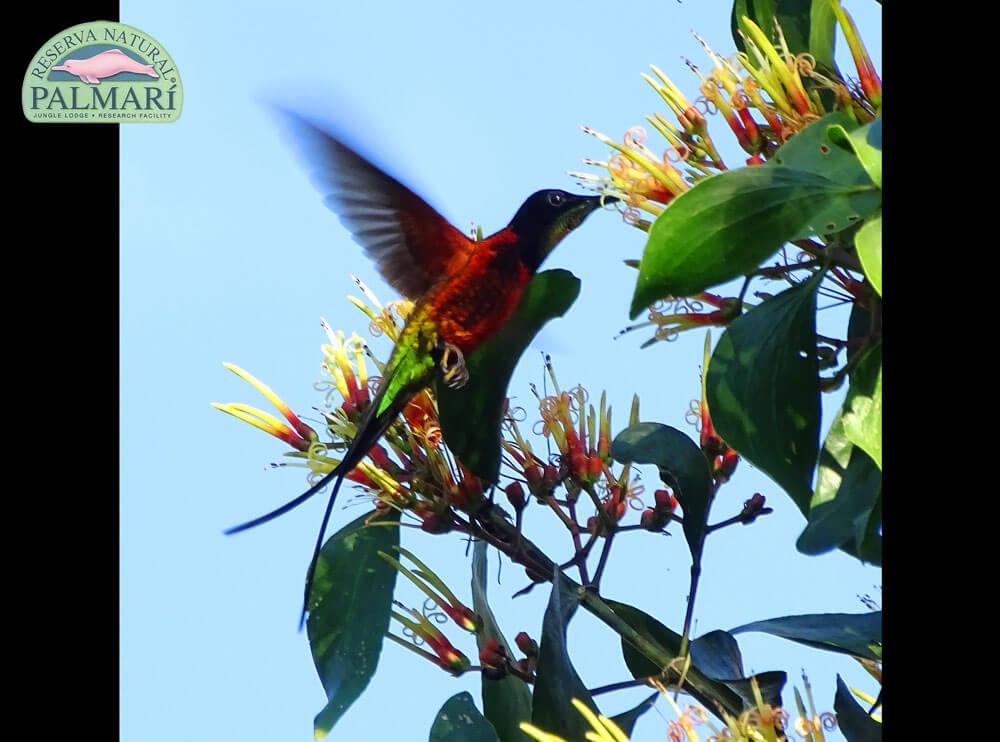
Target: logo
x,y
102,73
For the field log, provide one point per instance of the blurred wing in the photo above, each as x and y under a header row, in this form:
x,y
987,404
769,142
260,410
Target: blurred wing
x,y
412,245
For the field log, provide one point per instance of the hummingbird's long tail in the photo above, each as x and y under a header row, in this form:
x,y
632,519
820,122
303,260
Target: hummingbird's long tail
x,y
371,427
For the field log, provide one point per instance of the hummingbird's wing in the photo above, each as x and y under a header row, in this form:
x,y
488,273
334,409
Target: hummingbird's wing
x,y
412,245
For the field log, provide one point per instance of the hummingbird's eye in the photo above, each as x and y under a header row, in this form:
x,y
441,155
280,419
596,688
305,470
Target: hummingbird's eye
x,y
556,199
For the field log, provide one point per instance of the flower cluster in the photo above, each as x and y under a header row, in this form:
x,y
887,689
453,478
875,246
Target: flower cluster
x,y
409,470
672,316
581,463
760,723
765,94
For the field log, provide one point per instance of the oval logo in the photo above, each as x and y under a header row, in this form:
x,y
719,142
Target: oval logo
x,y
102,72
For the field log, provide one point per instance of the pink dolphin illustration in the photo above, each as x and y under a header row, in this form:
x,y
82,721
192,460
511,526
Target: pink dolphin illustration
x,y
105,64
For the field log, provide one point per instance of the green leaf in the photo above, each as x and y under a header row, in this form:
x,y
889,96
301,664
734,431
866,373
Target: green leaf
x,y
856,634
823,33
848,485
349,611
808,25
868,243
859,325
717,654
708,692
638,664
556,681
863,420
682,465
728,224
868,546
813,150
626,719
818,149
460,721
759,11
865,143
471,416
507,701
763,390
848,482
852,720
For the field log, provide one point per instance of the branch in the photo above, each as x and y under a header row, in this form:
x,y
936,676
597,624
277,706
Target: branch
x,y
500,533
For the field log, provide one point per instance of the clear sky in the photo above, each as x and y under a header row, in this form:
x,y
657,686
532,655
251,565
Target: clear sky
x,y
227,254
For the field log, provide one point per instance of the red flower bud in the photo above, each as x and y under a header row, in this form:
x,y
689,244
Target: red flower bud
x,y
753,508
534,477
595,467
550,476
665,502
616,509
359,477
727,464
515,495
650,520
750,126
434,523
526,644
493,654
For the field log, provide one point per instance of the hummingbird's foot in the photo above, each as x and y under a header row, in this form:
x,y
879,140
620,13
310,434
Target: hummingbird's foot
x,y
453,367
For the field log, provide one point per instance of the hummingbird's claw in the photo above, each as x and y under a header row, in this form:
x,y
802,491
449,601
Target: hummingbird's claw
x,y
453,367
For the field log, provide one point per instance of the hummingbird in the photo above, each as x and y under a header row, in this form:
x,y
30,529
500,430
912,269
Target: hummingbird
x,y
464,290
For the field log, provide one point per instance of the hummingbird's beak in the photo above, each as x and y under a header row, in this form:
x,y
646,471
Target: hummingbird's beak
x,y
586,205
597,202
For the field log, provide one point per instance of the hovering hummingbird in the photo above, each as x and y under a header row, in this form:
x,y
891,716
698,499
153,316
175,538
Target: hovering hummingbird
x,y
464,290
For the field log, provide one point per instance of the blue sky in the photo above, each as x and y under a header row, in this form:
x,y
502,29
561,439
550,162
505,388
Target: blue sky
x,y
227,254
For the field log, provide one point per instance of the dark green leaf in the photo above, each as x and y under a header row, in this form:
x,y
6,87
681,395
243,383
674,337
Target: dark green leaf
x,y
349,611
507,701
638,664
710,693
808,25
852,720
682,465
848,483
763,390
471,416
856,634
460,721
823,33
556,681
870,549
626,719
770,684
726,225
868,243
758,11
717,654
859,326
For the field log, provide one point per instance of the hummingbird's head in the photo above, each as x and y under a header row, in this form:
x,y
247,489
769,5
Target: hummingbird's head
x,y
546,217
